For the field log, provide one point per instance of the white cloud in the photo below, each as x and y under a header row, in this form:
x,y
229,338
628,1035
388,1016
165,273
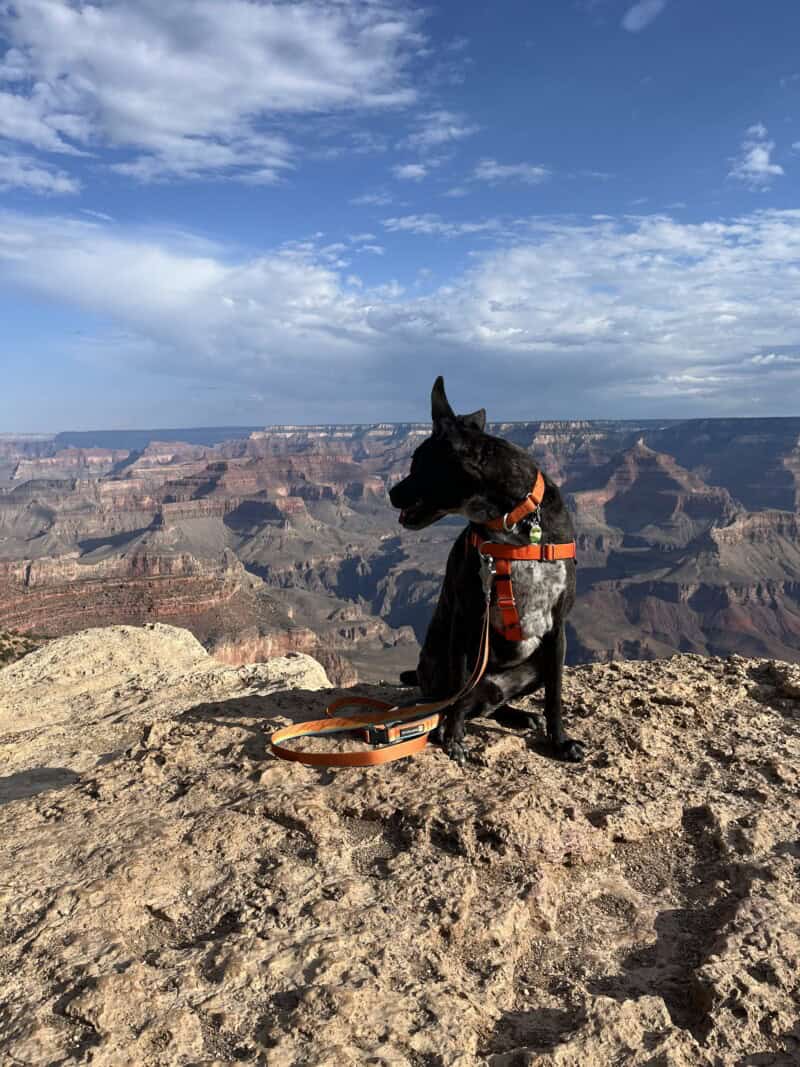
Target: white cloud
x,y
439,127
97,214
642,14
773,359
28,119
753,165
187,83
380,198
410,172
489,170
431,225
638,314
21,172
758,131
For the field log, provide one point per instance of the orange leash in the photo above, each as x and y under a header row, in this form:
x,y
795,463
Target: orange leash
x,y
398,731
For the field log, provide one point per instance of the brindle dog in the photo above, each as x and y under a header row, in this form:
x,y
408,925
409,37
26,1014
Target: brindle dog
x,y
462,470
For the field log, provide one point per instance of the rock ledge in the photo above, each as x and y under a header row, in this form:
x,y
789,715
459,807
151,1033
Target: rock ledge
x,y
172,895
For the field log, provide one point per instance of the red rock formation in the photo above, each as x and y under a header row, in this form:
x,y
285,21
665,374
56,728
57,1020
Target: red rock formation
x,y
666,560
61,594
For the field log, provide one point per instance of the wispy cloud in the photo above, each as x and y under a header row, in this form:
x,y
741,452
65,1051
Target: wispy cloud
x,y
97,214
365,242
437,128
378,198
410,172
489,170
753,165
642,14
432,225
21,172
187,84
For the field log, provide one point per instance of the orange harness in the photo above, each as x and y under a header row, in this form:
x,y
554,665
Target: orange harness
x,y
503,555
403,731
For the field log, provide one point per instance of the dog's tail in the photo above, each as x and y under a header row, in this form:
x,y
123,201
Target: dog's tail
x,y
409,678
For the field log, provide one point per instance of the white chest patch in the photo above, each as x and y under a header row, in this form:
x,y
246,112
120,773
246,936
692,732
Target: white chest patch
x,y
537,587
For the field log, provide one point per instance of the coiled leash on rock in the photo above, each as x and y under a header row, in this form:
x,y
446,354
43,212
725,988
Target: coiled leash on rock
x,y
403,731
398,731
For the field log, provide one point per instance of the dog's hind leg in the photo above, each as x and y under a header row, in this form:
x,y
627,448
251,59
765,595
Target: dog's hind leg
x,y
554,647
491,694
516,719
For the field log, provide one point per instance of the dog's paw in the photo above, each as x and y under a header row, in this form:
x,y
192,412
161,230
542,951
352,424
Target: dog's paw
x,y
570,751
456,751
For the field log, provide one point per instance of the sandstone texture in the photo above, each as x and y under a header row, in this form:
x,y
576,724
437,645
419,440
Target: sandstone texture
x,y
173,895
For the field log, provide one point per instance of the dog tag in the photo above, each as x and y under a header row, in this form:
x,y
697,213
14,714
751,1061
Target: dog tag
x,y
535,534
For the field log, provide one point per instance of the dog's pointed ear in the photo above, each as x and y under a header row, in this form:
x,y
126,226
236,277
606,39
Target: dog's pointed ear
x,y
474,421
440,407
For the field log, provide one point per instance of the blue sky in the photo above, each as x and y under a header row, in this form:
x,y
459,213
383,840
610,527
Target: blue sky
x,y
242,212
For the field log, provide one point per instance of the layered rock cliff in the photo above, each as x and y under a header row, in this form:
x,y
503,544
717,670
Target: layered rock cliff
x,y
680,543
668,562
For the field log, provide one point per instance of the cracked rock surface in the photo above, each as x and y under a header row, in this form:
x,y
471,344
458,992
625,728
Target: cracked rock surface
x,y
172,895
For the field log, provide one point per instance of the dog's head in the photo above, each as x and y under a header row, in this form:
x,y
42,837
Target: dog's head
x,y
445,469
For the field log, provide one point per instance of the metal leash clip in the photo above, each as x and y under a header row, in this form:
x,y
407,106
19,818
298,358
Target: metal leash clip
x,y
488,571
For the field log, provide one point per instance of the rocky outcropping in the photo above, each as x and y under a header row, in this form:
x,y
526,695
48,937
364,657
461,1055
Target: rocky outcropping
x,y
649,499
173,895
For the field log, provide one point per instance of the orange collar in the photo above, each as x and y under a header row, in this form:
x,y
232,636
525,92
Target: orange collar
x,y
529,504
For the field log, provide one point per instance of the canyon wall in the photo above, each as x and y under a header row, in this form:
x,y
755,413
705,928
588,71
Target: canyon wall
x,y
285,540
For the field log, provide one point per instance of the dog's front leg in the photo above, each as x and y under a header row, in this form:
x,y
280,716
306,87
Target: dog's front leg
x,y
463,650
483,700
554,647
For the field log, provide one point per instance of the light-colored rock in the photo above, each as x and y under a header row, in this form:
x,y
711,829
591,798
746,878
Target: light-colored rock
x,y
172,895
81,698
